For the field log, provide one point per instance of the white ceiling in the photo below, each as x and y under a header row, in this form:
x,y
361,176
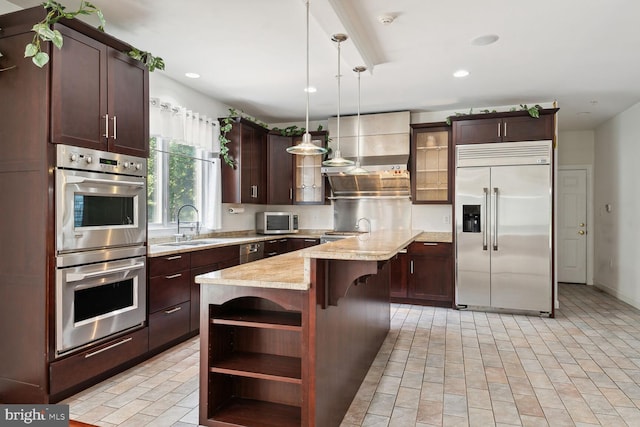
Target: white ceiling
x,y
251,53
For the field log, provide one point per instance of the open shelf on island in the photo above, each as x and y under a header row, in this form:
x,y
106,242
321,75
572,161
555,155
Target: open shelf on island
x,y
261,319
243,412
262,366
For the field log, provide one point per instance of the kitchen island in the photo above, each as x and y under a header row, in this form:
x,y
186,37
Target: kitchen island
x,y
287,341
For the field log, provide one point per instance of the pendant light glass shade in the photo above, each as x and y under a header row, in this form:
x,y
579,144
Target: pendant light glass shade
x,y
307,148
357,169
337,159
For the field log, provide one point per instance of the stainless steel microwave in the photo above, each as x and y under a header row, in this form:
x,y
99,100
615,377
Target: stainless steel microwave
x,y
276,222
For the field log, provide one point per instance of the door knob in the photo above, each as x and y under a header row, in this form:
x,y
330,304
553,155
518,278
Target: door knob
x,y
582,224
581,232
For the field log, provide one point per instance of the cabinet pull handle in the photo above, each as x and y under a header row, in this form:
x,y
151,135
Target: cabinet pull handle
x,y
171,258
115,127
309,240
505,129
173,310
498,130
88,355
173,276
106,126
411,267
430,244
272,254
290,193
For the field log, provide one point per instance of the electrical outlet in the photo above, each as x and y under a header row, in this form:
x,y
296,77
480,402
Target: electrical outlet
x,y
446,219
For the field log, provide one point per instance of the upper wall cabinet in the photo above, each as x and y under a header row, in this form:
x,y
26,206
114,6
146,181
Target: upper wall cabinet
x,y
431,160
99,96
503,127
279,170
246,181
309,184
294,179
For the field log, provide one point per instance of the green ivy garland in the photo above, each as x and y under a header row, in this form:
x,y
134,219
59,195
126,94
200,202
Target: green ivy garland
x,y
44,32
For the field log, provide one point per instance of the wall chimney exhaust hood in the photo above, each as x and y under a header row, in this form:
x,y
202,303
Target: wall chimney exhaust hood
x,y
384,141
384,152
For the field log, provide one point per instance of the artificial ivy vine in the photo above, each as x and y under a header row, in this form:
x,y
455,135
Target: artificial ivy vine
x,y
44,32
533,111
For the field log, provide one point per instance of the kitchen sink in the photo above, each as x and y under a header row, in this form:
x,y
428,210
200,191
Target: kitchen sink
x,y
193,242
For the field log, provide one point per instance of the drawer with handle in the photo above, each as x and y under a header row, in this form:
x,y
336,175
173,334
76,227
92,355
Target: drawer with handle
x,y
169,324
431,248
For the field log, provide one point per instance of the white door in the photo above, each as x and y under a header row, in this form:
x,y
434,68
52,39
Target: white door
x,y
572,225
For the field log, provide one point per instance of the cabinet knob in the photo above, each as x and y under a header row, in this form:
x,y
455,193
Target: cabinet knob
x,y
581,232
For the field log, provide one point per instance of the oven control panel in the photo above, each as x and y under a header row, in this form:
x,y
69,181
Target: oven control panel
x,y
70,157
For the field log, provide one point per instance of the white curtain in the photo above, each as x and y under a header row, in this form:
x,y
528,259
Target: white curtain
x,y
183,126
180,125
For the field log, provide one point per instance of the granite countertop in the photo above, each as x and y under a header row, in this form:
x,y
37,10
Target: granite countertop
x,y
376,246
163,248
435,237
292,270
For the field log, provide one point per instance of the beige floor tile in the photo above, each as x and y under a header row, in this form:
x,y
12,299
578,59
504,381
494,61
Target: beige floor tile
x,y
439,367
430,412
528,405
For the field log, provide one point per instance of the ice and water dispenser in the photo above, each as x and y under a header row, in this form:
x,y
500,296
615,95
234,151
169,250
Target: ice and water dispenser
x,y
471,219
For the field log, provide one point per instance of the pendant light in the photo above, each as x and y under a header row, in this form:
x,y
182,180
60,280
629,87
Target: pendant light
x,y
307,147
337,159
357,169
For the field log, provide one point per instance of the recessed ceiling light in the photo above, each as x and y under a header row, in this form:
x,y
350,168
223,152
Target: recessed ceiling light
x,y
310,89
192,75
461,73
485,40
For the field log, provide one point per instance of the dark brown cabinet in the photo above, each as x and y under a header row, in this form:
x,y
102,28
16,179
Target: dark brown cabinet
x,y
431,163
294,244
424,275
246,181
294,179
503,127
169,299
255,367
63,102
398,270
279,170
309,186
99,97
206,261
275,247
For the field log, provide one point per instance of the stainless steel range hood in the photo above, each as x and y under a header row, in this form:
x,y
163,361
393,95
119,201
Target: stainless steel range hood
x,y
384,141
383,151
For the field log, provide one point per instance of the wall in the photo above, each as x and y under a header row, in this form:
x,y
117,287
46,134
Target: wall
x,y
576,147
617,232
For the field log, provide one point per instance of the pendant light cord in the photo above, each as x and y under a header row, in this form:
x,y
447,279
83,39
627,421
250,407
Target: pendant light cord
x,y
306,129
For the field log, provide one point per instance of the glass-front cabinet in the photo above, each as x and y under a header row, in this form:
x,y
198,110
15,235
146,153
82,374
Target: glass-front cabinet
x,y
309,184
431,163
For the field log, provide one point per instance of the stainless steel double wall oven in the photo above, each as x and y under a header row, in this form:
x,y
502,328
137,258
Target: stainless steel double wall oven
x,y
101,233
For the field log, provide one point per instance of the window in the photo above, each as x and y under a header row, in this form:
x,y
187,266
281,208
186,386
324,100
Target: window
x,y
181,175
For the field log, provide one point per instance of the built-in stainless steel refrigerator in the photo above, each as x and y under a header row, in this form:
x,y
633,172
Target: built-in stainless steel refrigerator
x,y
503,202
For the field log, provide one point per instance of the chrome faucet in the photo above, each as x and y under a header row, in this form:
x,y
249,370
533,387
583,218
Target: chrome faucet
x,y
179,235
368,222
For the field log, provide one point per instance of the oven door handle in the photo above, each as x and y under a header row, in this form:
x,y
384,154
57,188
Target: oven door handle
x,y
80,180
76,277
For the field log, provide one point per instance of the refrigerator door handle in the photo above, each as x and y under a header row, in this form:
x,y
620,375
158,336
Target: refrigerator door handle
x,y
495,219
485,232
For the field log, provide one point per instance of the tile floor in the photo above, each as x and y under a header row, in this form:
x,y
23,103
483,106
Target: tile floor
x,y
440,367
